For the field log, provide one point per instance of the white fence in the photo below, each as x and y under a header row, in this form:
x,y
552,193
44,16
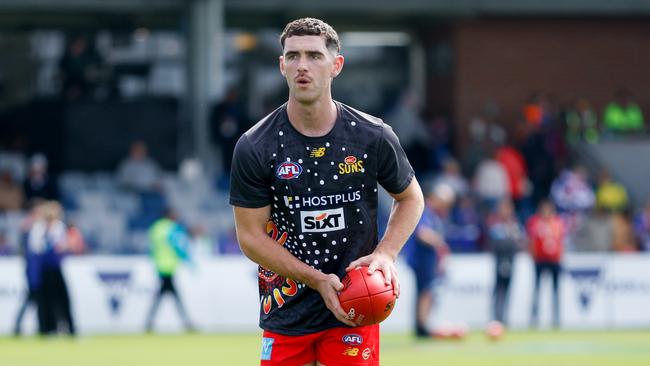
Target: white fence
x,y
113,294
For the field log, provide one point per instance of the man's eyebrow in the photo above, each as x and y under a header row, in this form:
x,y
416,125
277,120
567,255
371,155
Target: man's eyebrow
x,y
310,52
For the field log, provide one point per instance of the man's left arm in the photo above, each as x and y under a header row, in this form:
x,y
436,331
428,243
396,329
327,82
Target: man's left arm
x,y
405,214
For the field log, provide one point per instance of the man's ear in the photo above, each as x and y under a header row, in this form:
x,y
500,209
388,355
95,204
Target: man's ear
x,y
281,61
338,66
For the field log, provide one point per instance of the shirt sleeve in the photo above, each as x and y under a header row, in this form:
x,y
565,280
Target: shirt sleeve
x,y
249,183
394,172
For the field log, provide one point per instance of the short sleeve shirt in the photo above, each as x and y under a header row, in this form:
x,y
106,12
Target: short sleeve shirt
x,y
323,197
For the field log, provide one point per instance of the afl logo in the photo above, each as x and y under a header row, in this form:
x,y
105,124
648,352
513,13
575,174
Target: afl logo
x,y
288,171
352,339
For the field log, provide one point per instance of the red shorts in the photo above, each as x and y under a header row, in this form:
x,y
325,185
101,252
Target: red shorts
x,y
332,347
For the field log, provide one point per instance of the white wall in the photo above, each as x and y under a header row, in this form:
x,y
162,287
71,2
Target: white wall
x,y
113,294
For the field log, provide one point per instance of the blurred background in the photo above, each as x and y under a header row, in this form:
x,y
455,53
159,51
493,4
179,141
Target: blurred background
x,y
120,109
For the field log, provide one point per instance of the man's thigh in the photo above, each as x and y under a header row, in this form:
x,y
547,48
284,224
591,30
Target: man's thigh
x,y
282,350
349,346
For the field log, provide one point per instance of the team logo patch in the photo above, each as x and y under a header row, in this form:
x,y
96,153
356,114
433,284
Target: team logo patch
x,y
322,220
352,339
318,152
288,170
351,165
366,354
267,348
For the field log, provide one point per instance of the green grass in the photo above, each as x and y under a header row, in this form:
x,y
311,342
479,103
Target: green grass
x,y
516,348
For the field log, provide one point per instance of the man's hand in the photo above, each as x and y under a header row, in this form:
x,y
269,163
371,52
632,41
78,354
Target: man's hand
x,y
382,262
328,287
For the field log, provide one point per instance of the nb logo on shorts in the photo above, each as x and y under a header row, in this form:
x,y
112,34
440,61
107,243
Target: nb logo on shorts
x,y
267,348
351,351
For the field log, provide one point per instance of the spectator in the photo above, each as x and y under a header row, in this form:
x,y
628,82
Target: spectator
x,y
452,177
515,167
596,234
138,172
642,227
623,232
5,249
574,197
623,115
411,130
581,123
39,184
75,240
506,236
11,194
546,233
490,184
463,233
424,251
80,69
610,195
227,122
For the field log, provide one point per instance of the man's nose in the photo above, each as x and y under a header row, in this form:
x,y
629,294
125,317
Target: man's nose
x,y
302,63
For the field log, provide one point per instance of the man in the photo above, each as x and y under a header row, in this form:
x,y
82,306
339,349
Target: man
x,y
505,236
169,245
424,251
306,175
546,233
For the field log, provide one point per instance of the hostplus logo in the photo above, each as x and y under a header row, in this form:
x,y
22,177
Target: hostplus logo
x,y
321,200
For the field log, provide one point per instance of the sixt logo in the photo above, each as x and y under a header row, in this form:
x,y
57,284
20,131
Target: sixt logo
x,y
352,339
318,152
288,170
322,221
117,285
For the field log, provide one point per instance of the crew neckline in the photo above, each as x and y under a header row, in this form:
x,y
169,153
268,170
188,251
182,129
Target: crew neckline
x,y
315,138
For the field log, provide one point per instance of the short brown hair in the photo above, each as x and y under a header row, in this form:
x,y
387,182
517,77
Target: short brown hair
x,y
312,27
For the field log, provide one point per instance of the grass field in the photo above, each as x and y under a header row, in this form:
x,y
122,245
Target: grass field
x,y
516,348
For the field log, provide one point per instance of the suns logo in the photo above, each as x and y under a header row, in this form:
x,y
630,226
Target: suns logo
x,y
275,287
318,152
351,165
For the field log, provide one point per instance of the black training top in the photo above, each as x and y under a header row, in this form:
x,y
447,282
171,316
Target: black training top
x,y
323,197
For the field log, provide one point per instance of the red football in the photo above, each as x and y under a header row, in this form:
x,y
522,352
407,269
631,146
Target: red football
x,y
366,298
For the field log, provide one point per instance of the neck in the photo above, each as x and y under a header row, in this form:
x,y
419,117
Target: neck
x,y
313,120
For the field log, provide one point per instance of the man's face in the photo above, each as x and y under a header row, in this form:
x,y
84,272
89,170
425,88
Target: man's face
x,y
309,67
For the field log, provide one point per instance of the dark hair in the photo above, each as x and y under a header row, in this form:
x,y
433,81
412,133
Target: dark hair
x,y
312,27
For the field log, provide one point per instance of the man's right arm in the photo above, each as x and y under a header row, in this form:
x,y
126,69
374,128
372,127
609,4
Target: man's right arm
x,y
256,244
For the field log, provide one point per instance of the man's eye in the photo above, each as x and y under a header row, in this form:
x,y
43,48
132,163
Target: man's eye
x,y
291,57
315,57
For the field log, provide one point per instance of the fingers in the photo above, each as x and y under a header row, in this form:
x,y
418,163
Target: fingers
x,y
336,282
396,284
388,275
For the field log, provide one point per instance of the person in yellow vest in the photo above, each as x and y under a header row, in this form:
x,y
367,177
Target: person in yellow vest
x,y
610,194
623,115
169,247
